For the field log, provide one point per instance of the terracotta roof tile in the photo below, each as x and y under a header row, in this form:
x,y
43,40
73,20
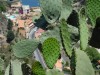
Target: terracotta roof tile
x,y
21,23
39,32
58,64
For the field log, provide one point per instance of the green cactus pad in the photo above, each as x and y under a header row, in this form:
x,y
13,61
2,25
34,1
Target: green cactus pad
x,y
66,37
51,51
84,33
51,9
93,10
66,9
83,64
25,48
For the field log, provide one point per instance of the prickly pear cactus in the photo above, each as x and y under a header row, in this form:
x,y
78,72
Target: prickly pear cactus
x,y
51,9
51,51
84,33
56,9
66,9
66,37
25,48
83,64
93,10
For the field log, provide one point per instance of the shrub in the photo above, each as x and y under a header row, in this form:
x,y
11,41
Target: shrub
x,y
10,24
10,36
51,51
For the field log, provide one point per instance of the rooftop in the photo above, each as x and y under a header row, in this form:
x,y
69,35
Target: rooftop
x,y
17,4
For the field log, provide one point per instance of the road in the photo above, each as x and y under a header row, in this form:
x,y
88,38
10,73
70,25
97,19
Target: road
x,y
37,53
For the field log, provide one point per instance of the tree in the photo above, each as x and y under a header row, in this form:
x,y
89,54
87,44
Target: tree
x,y
10,36
2,8
3,5
10,24
37,69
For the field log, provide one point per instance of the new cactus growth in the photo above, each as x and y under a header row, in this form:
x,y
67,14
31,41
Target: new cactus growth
x,y
51,51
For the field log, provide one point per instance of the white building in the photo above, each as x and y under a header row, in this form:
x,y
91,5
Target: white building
x,y
26,9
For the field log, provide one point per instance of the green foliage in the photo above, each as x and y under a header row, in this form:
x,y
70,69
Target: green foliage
x,y
10,36
25,48
93,10
51,9
84,33
10,24
93,54
54,72
2,8
51,51
3,5
1,73
66,37
1,64
37,69
83,64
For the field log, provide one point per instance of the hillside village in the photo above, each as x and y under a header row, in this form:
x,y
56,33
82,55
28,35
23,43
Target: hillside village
x,y
54,38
